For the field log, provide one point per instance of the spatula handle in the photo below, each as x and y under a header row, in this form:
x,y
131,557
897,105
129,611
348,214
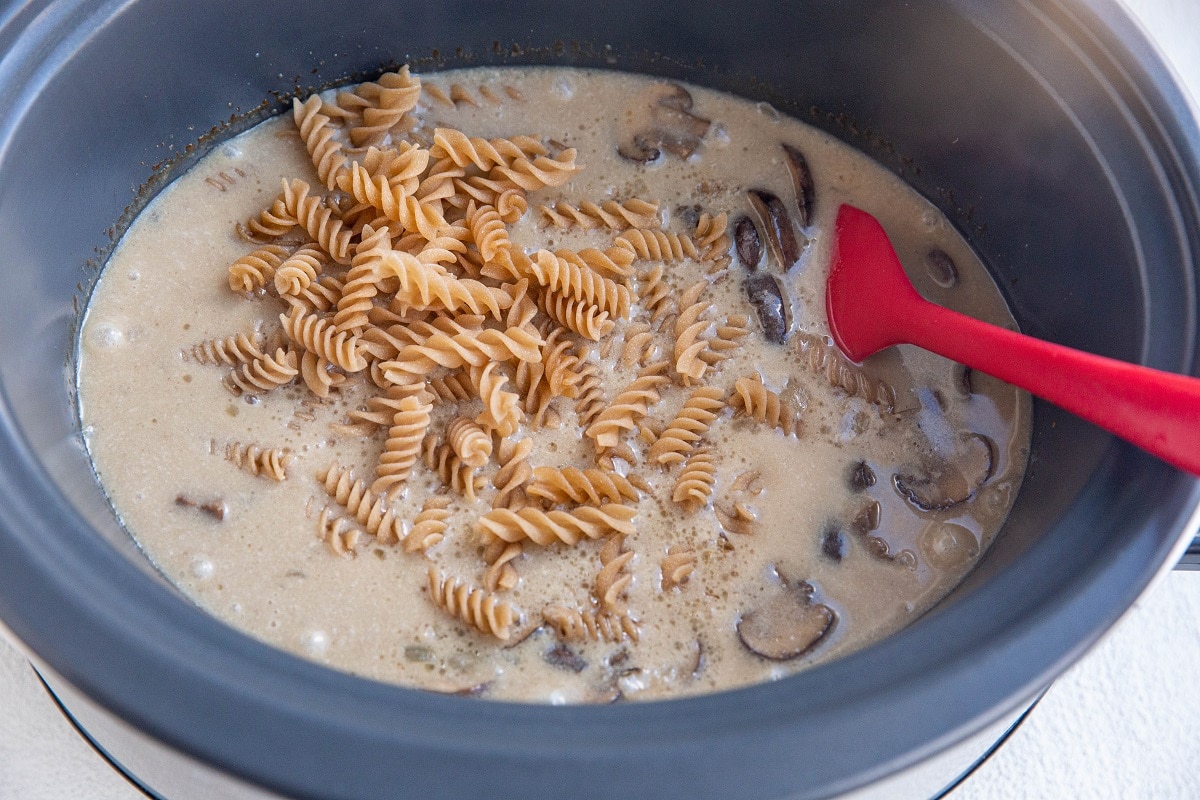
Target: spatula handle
x,y
1158,411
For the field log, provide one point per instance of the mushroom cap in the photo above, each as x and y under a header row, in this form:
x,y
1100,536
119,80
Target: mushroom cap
x,y
939,482
788,625
659,118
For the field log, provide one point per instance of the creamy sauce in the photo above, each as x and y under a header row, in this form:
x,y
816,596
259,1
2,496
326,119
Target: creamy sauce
x,y
158,424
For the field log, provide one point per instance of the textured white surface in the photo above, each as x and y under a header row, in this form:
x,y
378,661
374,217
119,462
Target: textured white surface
x,y
1122,723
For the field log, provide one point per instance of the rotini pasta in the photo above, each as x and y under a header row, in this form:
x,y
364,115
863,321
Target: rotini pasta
x,y
317,133
694,486
267,462
372,512
265,373
610,214
614,577
752,398
575,625
628,408
403,445
676,442
589,486
256,270
429,526
677,566
477,608
550,527
469,442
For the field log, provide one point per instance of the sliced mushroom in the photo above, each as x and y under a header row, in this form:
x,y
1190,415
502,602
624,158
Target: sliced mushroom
x,y
833,544
747,243
774,312
862,477
564,657
802,182
788,625
939,482
659,118
777,222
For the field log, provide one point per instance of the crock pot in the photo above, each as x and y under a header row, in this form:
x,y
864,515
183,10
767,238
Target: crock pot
x,y
1047,130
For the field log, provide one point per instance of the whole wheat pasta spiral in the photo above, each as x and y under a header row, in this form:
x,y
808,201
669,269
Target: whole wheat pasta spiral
x,y
656,245
466,349
318,335
429,526
254,271
739,518
675,443
539,173
755,400
655,294
265,373
484,154
588,486
362,281
271,223
381,409
318,219
628,407
412,214
511,205
590,401
402,165
690,343
639,345
576,625
549,527
677,566
403,445
501,408
614,577
438,181
501,574
469,441
713,241
579,316
633,213
232,350
320,296
423,287
491,237
317,133
727,339
514,473
824,359
694,486
566,273
451,471
338,532
479,609
371,511
390,97
300,269
266,462
318,374
453,388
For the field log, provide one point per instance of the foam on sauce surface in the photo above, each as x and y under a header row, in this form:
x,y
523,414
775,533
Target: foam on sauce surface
x,y
159,424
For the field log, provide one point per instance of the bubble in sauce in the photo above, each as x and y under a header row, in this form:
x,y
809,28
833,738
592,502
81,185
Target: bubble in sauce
x,y
718,135
316,643
107,335
769,111
563,89
202,568
947,545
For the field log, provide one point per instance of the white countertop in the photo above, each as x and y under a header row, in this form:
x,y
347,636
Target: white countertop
x,y
1122,723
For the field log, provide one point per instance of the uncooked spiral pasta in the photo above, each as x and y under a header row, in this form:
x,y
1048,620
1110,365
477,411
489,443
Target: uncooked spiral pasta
x,y
411,213
577,315
318,374
338,532
263,374
549,527
511,204
320,336
482,153
389,98
677,566
256,270
491,237
727,339
566,274
362,281
429,526
614,576
633,213
422,286
689,426
235,349
479,609
403,445
451,471
267,462
318,219
501,574
301,268
639,345
738,518
824,358
713,241
690,325
469,441
514,473
271,223
696,480
501,408
657,245
539,173
589,486
628,407
464,349
317,133
655,294
576,625
371,511
752,398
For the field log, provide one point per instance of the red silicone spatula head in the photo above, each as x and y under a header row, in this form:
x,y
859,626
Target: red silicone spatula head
x,y
864,266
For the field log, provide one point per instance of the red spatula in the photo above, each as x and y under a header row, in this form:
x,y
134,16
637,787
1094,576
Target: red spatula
x,y
872,305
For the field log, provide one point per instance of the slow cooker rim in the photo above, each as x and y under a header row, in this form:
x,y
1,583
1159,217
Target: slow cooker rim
x,y
66,583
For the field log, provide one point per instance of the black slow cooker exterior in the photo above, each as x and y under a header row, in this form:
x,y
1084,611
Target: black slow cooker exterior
x,y
1047,130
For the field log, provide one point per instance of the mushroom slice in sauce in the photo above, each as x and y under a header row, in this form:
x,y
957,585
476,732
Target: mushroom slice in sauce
x,y
777,222
747,243
788,625
774,312
659,118
802,182
939,482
